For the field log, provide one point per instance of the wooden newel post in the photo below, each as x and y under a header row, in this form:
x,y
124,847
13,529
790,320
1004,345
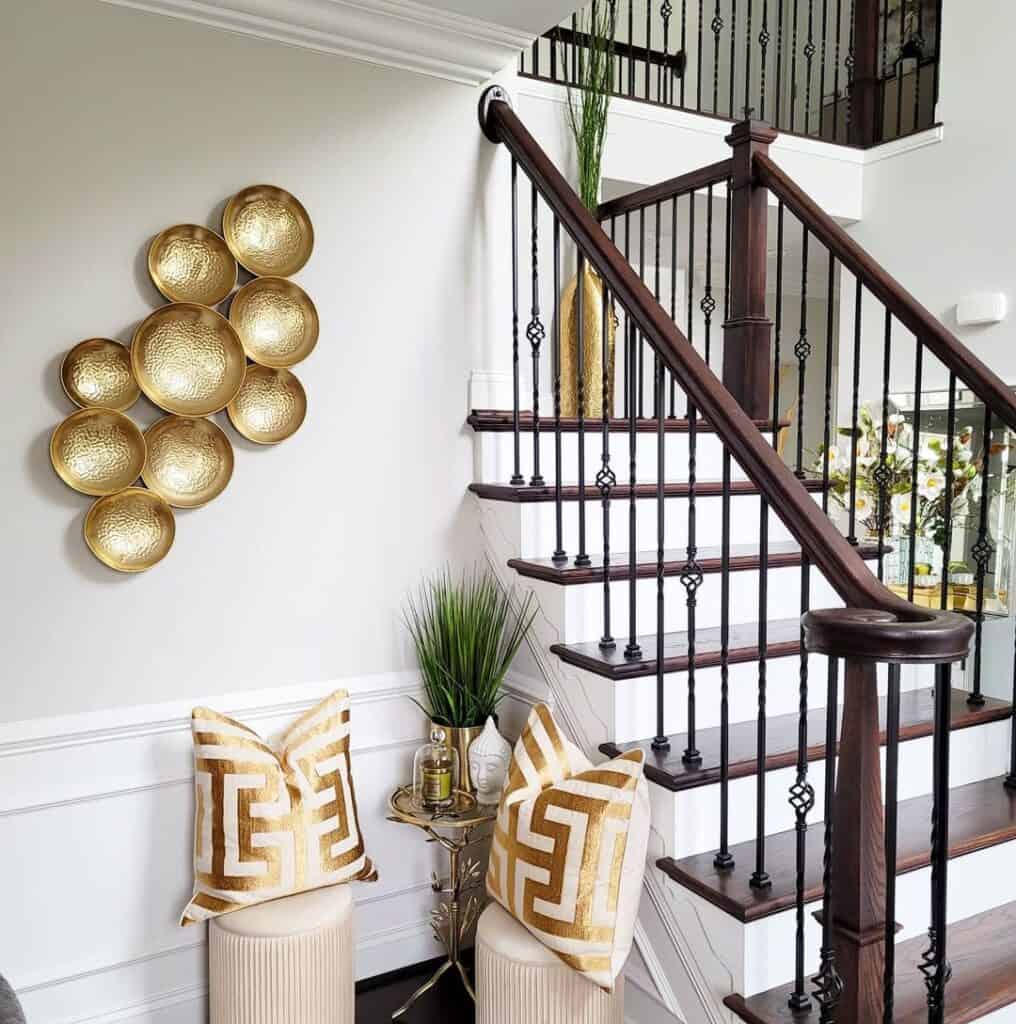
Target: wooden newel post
x,y
865,83
858,874
748,331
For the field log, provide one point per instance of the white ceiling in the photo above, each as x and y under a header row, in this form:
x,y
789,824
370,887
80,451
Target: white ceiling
x,y
533,16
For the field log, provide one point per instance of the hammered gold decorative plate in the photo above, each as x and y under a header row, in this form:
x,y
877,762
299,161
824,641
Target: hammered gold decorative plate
x,y
130,531
276,321
270,407
97,373
268,231
190,461
97,451
189,263
188,359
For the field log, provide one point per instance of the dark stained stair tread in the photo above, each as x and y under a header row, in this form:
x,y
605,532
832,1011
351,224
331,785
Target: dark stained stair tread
x,y
742,557
916,720
981,814
570,492
499,421
783,636
983,958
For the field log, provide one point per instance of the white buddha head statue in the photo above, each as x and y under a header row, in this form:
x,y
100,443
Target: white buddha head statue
x,y
489,756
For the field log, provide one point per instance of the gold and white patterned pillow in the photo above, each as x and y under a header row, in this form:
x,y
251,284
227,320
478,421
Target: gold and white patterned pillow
x,y
569,848
267,823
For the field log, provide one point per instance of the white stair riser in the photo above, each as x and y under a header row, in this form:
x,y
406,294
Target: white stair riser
x,y
583,605
494,458
538,524
767,941
634,713
976,754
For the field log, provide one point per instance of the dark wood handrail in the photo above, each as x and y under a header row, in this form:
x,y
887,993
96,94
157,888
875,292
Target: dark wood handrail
x,y
877,624
675,63
954,355
711,174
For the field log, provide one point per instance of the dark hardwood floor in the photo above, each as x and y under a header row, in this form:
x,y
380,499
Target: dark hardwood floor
x,y
378,998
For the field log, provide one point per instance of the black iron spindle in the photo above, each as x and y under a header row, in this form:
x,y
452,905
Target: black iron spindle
x,y
919,43
535,334
1010,779
560,555
822,67
947,511
708,303
883,472
793,67
582,558
763,42
691,580
760,878
649,48
628,340
915,449
673,294
698,62
632,652
733,55
747,59
660,741
631,39
849,63
982,551
854,407
892,764
899,72
934,963
657,398
827,421
606,479
717,26
809,55
778,324
836,71
828,984
517,477
802,350
690,332
779,63
642,341
724,859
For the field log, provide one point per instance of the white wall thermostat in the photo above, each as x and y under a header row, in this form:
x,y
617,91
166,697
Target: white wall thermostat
x,y
981,308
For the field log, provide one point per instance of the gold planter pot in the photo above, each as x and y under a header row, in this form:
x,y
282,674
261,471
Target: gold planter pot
x,y
459,739
592,347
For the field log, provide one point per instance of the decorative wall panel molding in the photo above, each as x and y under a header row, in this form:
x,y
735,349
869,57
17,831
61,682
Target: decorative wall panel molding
x,y
392,33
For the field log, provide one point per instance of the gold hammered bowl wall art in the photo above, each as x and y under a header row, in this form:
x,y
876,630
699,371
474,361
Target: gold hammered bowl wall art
x,y
270,407
191,362
97,372
130,531
188,359
276,321
190,461
189,263
97,451
268,231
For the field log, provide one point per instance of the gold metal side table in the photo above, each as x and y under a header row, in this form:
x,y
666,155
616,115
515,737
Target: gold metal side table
x,y
453,916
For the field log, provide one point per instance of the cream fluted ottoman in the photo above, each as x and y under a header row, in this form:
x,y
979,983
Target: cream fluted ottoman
x,y
289,961
519,980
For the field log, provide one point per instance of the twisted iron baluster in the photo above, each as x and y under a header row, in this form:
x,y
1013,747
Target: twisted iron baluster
x,y
666,10
947,518
836,71
717,27
802,350
882,473
918,363
560,555
724,860
660,740
854,403
747,59
517,477
828,419
708,303
606,478
535,335
698,63
691,580
828,985
582,559
793,69
822,67
982,552
809,54
849,64
763,41
733,54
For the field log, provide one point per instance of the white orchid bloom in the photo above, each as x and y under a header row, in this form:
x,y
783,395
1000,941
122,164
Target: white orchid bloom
x,y
930,485
862,505
901,507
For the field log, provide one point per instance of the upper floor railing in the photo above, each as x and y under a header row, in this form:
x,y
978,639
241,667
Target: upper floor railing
x,y
627,288
858,72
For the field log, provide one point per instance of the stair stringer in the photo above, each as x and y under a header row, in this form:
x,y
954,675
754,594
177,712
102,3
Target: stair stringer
x,y
689,973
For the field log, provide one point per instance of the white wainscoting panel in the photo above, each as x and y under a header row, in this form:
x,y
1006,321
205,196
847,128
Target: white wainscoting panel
x,y
95,846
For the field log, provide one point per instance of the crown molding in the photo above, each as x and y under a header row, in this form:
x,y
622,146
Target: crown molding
x,y
399,34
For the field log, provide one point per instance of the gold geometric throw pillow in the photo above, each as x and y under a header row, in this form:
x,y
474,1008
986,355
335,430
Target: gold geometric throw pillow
x,y
267,823
569,848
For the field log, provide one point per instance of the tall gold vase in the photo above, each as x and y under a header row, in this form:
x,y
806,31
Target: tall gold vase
x,y
591,339
459,738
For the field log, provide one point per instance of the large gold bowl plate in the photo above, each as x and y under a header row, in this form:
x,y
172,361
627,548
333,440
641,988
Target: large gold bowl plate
x,y
97,451
98,373
190,461
270,407
188,359
268,231
130,531
189,263
276,321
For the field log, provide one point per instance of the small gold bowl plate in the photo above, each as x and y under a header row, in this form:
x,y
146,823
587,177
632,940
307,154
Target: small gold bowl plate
x,y
268,231
97,451
188,359
189,263
270,407
276,321
190,461
130,531
97,373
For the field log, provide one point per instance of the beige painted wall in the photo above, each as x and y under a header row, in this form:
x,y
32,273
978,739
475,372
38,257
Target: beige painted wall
x,y
119,123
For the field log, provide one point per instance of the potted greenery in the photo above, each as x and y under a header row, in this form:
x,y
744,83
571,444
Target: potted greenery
x,y
466,633
588,105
